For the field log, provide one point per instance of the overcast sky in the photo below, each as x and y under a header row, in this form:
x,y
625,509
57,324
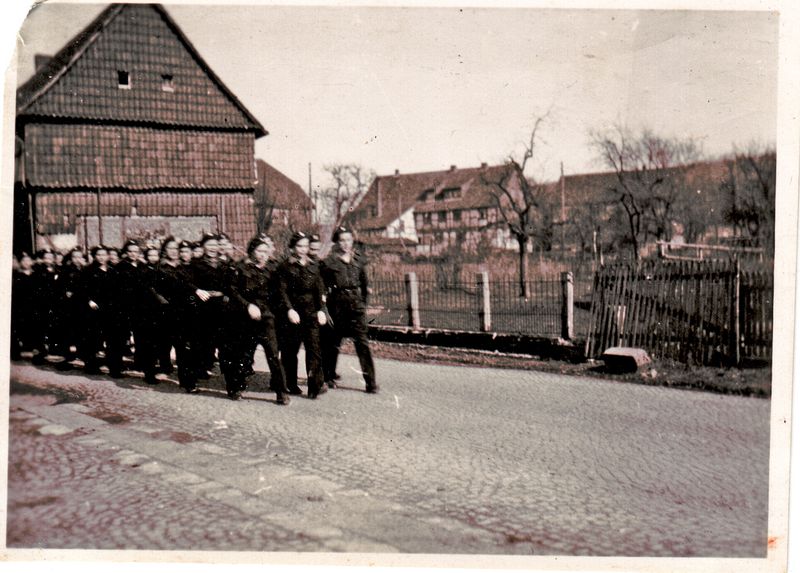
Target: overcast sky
x,y
419,89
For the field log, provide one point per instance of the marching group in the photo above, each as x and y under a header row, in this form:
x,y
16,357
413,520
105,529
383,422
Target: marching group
x,y
196,299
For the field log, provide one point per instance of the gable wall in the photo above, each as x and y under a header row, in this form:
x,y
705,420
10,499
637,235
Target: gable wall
x,y
139,41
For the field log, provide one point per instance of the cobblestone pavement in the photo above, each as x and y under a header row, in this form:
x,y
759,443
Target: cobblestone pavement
x,y
444,460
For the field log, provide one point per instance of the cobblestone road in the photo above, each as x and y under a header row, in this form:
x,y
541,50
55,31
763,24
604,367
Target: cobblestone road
x,y
443,460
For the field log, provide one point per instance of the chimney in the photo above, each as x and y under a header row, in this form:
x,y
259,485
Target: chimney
x,y
452,168
396,172
484,165
40,60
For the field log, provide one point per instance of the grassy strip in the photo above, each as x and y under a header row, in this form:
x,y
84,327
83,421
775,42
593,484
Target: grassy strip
x,y
734,381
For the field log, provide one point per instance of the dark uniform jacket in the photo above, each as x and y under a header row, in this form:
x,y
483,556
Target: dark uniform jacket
x,y
174,284
301,287
101,287
23,295
250,284
69,284
137,287
207,276
346,283
46,282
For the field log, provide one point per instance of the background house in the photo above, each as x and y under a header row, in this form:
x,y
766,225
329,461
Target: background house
x,y
281,205
690,204
436,210
457,209
126,132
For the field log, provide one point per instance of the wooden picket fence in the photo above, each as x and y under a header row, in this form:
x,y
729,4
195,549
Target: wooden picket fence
x,y
706,312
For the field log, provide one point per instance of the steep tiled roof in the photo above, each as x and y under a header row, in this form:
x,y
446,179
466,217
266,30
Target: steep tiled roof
x,y
400,192
275,187
81,81
74,156
704,179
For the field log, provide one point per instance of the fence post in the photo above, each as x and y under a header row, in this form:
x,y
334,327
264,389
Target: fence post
x,y
484,298
735,324
567,305
412,296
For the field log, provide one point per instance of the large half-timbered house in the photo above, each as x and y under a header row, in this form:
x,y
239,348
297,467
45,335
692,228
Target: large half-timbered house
x,y
435,211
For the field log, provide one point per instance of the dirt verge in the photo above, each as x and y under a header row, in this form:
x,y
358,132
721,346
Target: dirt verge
x,y
736,381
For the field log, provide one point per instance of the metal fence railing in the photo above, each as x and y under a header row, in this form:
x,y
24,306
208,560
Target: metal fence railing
x,y
677,309
452,307
388,304
539,314
460,305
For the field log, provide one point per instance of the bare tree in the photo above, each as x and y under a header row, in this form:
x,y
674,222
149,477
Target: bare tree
x,y
582,226
349,183
649,179
517,200
751,185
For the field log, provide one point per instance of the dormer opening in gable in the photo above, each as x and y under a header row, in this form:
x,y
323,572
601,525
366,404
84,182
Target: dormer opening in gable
x,y
123,79
167,83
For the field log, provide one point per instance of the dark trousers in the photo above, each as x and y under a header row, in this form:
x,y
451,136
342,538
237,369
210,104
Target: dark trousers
x,y
102,328
348,323
166,338
23,333
181,328
291,336
207,333
241,341
42,321
146,336
329,351
65,331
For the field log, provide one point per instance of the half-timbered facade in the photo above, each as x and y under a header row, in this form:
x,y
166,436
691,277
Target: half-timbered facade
x,y
439,210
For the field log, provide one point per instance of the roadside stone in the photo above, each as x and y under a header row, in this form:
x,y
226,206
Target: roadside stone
x,y
620,359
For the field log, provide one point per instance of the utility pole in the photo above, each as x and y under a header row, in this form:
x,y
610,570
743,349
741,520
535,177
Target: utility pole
x,y
99,219
314,215
563,215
